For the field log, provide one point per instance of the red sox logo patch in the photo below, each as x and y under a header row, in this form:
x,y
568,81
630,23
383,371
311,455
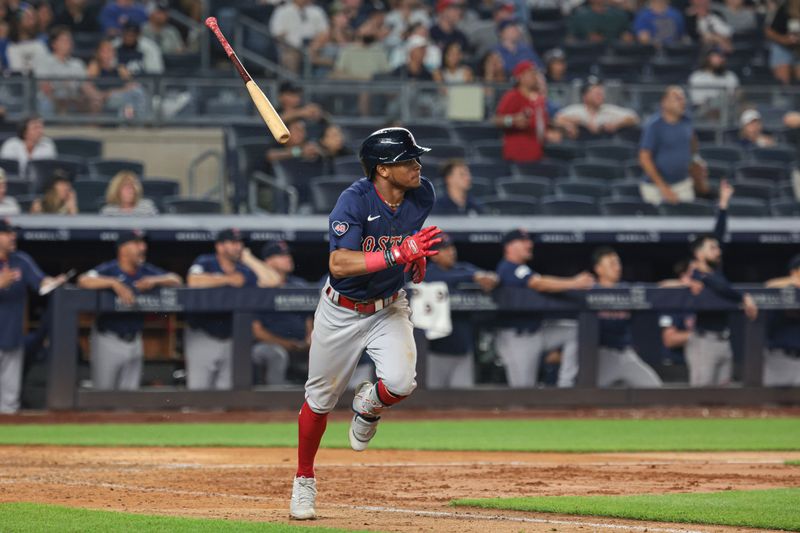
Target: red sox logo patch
x,y
340,228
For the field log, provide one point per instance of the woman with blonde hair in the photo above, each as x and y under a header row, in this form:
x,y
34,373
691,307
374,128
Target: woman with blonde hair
x,y
124,196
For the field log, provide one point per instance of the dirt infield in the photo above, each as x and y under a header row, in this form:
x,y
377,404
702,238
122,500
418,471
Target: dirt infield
x,y
404,491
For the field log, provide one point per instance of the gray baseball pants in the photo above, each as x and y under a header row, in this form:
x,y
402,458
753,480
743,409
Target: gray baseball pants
x,y
339,338
448,371
624,366
116,364
209,361
276,360
522,352
781,369
709,359
10,379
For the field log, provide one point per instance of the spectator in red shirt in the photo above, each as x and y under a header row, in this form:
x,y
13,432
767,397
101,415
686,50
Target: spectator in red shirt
x,y
522,114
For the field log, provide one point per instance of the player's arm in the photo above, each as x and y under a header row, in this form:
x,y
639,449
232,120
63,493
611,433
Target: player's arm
x,y
203,280
779,283
267,276
673,337
649,168
94,281
582,281
167,279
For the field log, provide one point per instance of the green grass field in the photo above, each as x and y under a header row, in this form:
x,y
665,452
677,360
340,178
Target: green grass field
x,y
780,434
769,509
793,463
36,518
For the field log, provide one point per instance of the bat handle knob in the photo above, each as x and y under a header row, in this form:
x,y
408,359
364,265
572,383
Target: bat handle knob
x,y
211,22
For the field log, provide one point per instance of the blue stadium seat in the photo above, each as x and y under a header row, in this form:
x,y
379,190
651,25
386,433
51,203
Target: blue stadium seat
x,y
758,189
251,154
597,170
39,171
549,168
108,168
578,187
296,172
470,133
515,187
729,154
633,169
493,170
350,166
774,172
628,188
633,134
10,166
748,207
192,206
613,151
520,205
17,187
482,187
669,70
626,69
427,133
80,147
775,154
487,150
698,208
786,190
638,51
546,34
626,207
718,170
441,151
583,50
90,194
25,202
157,189
569,205
325,191
565,151
786,207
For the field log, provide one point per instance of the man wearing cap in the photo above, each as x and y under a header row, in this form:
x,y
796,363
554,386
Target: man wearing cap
x,y
8,205
522,114
208,346
279,336
751,131
448,14
137,53
18,271
160,31
115,343
782,353
521,340
414,67
594,118
513,49
450,361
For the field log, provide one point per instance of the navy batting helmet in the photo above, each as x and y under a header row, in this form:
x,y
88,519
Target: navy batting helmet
x,y
389,145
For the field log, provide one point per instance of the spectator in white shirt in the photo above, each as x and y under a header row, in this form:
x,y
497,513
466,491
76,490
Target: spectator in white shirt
x,y
594,118
739,17
25,50
407,13
712,86
55,95
295,24
8,205
29,143
124,197
707,27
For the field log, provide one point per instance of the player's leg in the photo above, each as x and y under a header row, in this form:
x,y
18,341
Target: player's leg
x,y
636,373
698,360
780,370
563,334
199,359
462,375
223,376
130,374
520,354
276,360
724,362
10,379
438,369
108,354
608,371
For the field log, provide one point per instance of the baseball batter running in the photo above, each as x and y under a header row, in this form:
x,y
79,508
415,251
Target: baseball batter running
x,y
375,237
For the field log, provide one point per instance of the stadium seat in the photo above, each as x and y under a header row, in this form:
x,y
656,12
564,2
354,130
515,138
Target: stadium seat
x,y
91,194
627,206
718,170
481,187
786,207
568,205
549,168
775,154
685,52
108,168
39,171
427,133
191,206
493,170
632,134
349,166
728,154
583,168
10,166
774,172
748,207
183,63
627,69
267,195
668,70
583,50
358,132
633,169
706,134
579,187
157,189
17,187
628,188
759,189
251,155
520,205
611,151
786,190
326,191
546,34
698,208
565,151
471,133
633,50
296,172
487,150
515,187
443,151
80,147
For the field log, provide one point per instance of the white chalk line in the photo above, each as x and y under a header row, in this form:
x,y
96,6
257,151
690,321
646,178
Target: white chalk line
x,y
369,508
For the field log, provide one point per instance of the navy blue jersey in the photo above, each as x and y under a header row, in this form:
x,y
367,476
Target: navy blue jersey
x,y
13,298
123,324
446,206
681,322
219,325
718,283
361,221
783,330
615,327
460,341
287,325
514,275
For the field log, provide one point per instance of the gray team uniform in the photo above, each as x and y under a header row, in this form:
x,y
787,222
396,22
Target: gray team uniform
x,y
782,354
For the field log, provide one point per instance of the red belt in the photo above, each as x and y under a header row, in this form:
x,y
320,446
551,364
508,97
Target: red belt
x,y
367,307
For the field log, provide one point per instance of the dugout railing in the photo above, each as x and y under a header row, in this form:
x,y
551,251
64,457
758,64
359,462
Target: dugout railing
x,y
63,392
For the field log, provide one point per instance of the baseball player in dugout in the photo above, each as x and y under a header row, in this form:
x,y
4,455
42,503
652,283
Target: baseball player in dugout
x,y
617,362
18,271
521,340
709,357
280,336
115,343
376,237
782,352
208,343
450,360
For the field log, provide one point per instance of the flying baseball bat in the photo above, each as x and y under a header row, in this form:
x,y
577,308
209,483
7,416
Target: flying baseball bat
x,y
265,109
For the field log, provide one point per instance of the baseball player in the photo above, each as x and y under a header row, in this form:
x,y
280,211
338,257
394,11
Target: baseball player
x,y
782,354
450,359
708,352
208,346
676,325
617,362
279,335
18,271
521,340
115,343
375,236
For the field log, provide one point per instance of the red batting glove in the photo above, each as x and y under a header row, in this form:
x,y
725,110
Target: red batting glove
x,y
417,268
417,246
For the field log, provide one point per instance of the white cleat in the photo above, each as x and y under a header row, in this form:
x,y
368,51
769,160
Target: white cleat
x,y
304,497
362,429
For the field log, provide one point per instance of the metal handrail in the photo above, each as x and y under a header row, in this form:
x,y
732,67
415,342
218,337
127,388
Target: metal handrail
x,y
260,177
219,188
